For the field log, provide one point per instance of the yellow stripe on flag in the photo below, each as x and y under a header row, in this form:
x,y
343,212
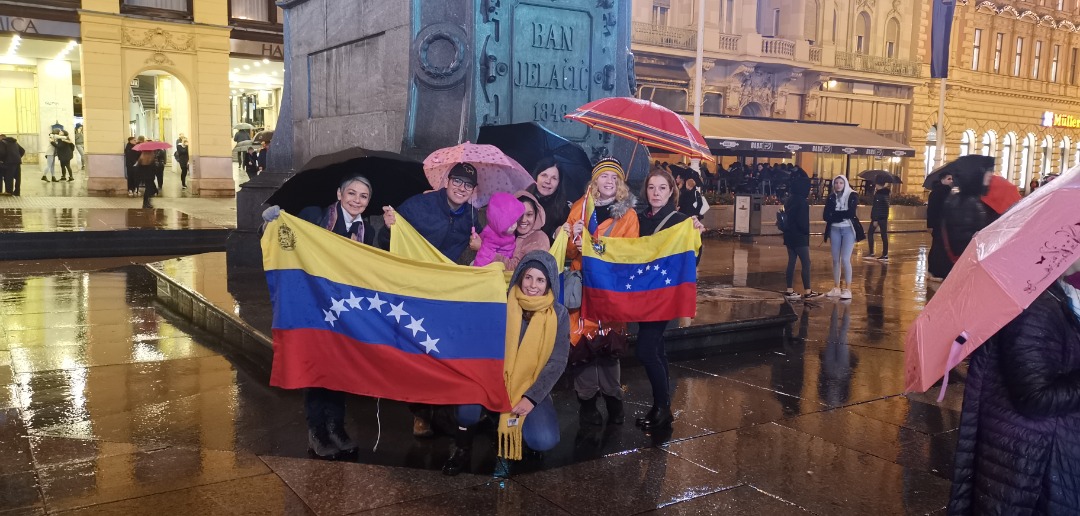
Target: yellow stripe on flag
x,y
558,249
676,239
406,241
293,243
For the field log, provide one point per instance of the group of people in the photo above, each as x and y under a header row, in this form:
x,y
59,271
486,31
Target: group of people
x,y
62,148
145,169
545,339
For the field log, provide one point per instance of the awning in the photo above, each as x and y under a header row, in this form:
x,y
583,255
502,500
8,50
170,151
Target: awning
x,y
747,136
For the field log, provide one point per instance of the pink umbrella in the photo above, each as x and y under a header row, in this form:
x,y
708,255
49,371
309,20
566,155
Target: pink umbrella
x,y
151,146
496,172
1004,268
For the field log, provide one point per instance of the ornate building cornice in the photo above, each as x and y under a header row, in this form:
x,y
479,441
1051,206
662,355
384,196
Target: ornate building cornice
x,y
1010,12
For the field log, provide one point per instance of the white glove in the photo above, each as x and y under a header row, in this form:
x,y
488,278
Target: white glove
x,y
270,214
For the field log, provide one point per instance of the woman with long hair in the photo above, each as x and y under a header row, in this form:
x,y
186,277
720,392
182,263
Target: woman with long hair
x,y
550,192
843,229
597,371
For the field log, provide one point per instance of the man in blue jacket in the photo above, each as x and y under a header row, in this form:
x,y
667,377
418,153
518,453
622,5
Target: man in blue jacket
x,y
447,220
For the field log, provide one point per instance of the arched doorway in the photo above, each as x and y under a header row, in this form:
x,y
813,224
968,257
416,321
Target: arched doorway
x,y
967,140
753,109
930,151
1045,156
159,107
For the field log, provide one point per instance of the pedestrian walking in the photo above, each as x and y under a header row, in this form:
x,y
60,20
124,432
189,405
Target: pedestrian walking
x,y
596,347
964,212
182,156
662,197
65,152
843,229
159,169
879,221
145,171
529,230
537,344
130,157
551,194
937,261
241,135
80,144
1018,449
251,163
690,200
11,154
797,237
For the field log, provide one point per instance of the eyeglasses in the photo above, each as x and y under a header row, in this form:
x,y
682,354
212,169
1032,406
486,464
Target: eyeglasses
x,y
461,183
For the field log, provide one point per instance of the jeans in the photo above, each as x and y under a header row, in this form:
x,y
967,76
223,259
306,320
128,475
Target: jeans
x,y
653,357
50,165
324,406
540,428
82,154
803,255
884,226
183,174
843,243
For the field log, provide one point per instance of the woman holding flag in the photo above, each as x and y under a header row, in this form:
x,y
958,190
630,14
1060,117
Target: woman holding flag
x,y
662,195
537,344
609,214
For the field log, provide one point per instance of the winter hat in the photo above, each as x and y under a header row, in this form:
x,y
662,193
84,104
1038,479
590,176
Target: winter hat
x,y
463,171
608,165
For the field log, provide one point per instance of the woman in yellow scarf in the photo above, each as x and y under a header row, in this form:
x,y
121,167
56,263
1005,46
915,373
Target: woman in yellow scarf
x,y
537,344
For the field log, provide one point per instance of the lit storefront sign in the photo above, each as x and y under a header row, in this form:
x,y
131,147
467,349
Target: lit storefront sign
x,y
35,26
1051,119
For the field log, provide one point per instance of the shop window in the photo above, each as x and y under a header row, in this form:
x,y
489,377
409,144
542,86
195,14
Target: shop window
x,y
976,51
1026,153
1047,165
169,5
930,151
712,104
1063,157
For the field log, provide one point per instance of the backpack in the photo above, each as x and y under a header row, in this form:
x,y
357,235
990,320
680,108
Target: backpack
x,y
781,221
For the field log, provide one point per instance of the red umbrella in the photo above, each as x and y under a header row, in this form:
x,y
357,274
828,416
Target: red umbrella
x,y
151,146
646,123
1001,195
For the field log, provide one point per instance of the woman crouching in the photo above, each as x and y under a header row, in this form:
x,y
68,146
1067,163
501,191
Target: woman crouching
x,y
537,343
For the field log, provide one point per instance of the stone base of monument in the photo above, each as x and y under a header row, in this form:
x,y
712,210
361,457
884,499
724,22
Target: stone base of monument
x,y
238,311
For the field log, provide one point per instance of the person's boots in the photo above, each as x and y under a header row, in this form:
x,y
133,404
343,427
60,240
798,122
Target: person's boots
x,y
339,438
649,416
319,444
614,410
661,421
588,413
460,454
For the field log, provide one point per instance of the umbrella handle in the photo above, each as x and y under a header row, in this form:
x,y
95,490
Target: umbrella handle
x,y
954,360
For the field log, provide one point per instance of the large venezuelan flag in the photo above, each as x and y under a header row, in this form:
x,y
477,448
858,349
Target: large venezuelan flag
x,y
651,278
354,318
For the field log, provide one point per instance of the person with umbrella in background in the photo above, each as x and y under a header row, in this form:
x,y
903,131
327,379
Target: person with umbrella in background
x,y
550,194
937,261
446,219
159,168
144,170
964,212
879,220
182,157
325,408
243,133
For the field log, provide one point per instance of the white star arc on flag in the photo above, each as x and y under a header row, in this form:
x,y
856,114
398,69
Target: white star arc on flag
x,y
375,303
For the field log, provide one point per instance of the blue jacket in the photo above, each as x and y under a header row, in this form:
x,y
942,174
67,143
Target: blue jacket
x,y
430,214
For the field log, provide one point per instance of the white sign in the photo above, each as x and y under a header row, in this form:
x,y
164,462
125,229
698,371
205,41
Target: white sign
x,y
742,214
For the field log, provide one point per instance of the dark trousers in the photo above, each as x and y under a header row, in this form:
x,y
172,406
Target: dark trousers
x,y
65,168
883,225
324,406
937,261
148,187
803,255
183,173
653,357
540,430
12,182
133,179
159,172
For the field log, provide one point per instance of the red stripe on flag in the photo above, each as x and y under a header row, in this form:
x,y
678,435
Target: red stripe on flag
x,y
662,304
322,358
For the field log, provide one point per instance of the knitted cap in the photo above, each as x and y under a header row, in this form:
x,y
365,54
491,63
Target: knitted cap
x,y
608,165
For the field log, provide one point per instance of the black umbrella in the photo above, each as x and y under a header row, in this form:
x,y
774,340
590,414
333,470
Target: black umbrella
x,y
879,176
264,136
530,142
393,177
971,161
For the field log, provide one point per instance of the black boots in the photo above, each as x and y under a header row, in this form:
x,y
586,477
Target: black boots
x,y
649,416
460,454
588,412
614,410
658,418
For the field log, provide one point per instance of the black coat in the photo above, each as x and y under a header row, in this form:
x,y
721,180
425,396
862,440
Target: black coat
x,y
182,154
1018,449
11,152
797,222
65,150
880,209
650,224
130,155
831,215
965,214
690,202
935,205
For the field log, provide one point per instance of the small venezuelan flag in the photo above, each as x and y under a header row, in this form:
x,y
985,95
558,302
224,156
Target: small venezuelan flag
x,y
354,318
651,278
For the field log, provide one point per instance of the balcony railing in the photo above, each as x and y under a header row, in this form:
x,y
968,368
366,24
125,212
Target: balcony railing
x,y
815,55
664,36
876,64
729,42
778,48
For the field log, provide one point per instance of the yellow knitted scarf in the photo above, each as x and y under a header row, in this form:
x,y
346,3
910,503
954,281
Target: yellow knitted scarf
x,y
525,361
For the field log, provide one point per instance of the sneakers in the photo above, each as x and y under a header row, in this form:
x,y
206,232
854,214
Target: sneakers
x,y
833,293
55,180
845,294
44,178
812,295
792,295
421,427
884,258
869,257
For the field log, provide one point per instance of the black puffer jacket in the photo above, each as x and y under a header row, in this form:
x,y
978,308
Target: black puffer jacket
x,y
935,205
880,209
1019,445
797,213
964,213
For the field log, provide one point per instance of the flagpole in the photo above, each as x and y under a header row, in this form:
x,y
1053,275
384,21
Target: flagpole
x,y
699,65
939,157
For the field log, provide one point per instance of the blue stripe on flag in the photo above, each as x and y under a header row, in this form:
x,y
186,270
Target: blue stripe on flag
x,y
463,329
668,271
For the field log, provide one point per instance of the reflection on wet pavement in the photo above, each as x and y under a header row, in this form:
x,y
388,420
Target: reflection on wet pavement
x,y
110,403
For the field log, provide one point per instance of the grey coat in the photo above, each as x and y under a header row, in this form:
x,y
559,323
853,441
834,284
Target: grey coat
x,y
556,364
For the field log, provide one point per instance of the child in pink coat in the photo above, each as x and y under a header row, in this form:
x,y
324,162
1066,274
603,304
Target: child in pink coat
x,y
503,212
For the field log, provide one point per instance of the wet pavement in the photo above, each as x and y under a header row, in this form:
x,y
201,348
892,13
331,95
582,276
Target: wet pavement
x,y
110,403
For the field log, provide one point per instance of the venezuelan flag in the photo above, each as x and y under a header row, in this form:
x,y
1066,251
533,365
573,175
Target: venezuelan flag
x,y
651,278
354,318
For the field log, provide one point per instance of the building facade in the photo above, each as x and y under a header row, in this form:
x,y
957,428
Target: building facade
x,y
1013,90
848,61
154,68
